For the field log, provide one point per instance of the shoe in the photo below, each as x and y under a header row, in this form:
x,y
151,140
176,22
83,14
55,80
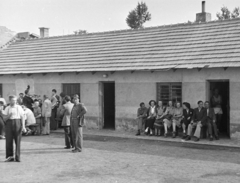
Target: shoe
x,y
211,138
76,151
2,137
165,135
184,136
9,159
217,138
187,138
174,135
196,139
67,147
17,160
138,133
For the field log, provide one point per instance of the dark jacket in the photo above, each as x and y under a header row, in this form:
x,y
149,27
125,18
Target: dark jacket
x,y
200,115
79,110
211,114
28,101
188,114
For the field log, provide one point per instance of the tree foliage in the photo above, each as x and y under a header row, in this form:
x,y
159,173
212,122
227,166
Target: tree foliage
x,y
137,17
227,14
80,32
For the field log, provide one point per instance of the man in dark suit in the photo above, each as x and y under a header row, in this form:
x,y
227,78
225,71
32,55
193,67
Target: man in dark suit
x,y
77,122
211,122
198,120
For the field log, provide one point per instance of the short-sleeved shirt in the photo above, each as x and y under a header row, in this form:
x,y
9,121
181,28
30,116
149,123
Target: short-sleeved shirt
x,y
29,116
17,111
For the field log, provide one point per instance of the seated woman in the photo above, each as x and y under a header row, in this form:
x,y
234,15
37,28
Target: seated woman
x,y
167,122
159,119
187,117
152,113
141,117
177,118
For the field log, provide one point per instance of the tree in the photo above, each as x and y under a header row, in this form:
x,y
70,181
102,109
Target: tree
x,y
227,14
137,17
80,32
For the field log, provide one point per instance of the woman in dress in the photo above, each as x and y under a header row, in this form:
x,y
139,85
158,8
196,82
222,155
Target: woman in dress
x,y
217,106
152,113
177,118
167,122
158,124
187,117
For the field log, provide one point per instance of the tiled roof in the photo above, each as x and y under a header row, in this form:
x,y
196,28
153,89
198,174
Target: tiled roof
x,y
212,44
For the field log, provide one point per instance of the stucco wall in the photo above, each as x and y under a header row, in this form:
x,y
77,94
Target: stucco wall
x,y
131,89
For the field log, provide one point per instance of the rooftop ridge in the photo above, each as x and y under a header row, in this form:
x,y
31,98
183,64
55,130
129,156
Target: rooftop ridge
x,y
134,30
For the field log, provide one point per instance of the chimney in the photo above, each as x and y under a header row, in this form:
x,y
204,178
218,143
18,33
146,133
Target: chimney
x,y
203,16
44,32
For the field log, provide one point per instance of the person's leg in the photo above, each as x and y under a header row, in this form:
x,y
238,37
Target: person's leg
x,y
215,130
209,126
139,121
79,139
165,121
67,132
48,126
9,139
1,127
198,131
73,134
17,138
189,131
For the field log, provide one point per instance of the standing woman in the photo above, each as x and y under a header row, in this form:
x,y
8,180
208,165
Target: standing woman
x,y
177,118
27,99
159,119
187,117
152,114
167,122
217,106
46,114
15,124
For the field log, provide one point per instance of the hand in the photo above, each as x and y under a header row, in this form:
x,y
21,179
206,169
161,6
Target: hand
x,y
24,130
188,118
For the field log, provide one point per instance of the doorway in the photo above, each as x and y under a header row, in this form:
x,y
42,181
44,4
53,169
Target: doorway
x,y
108,105
223,89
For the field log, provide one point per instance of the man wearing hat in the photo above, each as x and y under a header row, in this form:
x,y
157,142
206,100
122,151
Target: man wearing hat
x,y
77,122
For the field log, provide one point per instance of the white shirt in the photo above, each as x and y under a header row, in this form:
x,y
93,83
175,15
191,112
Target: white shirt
x,y
152,109
29,117
17,111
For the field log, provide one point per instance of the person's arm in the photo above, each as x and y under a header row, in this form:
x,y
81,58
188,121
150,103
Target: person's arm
x,y
204,118
138,113
83,111
39,115
62,110
22,116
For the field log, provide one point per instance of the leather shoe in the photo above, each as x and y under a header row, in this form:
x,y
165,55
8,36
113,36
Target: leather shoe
x,y
196,139
211,138
174,135
76,151
9,159
188,138
17,160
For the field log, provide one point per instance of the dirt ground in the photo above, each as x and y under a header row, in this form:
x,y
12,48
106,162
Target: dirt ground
x,y
109,159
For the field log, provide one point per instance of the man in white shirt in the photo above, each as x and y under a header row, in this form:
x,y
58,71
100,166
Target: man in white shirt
x,y
15,124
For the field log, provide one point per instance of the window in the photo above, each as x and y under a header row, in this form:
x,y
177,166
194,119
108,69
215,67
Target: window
x,y
71,89
169,92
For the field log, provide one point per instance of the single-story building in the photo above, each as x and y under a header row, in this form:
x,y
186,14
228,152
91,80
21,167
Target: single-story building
x,y
114,71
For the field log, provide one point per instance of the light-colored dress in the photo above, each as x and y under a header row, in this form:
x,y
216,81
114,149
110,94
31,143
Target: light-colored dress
x,y
177,116
217,108
169,113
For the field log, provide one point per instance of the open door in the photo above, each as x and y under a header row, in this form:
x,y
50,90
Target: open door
x,y
222,87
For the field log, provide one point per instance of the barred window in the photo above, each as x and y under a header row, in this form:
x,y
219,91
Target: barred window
x,y
71,89
169,92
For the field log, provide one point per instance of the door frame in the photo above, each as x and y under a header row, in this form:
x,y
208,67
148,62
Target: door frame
x,y
101,102
208,97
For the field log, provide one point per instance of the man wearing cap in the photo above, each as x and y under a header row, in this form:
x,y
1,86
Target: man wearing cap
x,y
77,122
15,124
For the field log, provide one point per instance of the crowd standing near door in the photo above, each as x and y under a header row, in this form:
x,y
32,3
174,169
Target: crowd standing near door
x,y
159,120
30,115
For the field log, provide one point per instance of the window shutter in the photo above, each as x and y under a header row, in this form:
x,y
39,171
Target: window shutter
x,y
71,89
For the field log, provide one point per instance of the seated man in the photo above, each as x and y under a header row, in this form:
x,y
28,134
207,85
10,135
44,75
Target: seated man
x,y
30,121
198,120
211,122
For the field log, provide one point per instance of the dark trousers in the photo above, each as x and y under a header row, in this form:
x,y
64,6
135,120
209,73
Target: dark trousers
x,y
2,126
53,121
13,132
212,128
150,122
68,136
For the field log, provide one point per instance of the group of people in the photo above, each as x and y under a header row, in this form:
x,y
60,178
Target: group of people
x,y
25,115
159,118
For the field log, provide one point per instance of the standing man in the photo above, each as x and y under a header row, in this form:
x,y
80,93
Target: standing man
x,y
211,122
55,104
46,114
20,99
66,113
77,122
2,125
14,126
198,120
27,99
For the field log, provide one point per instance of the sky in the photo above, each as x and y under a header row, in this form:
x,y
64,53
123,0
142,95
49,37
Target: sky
x,y
66,16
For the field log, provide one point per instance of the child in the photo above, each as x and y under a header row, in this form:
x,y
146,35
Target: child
x,y
38,115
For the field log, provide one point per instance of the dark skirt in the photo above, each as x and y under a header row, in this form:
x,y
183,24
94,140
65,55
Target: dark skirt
x,y
158,124
186,122
150,122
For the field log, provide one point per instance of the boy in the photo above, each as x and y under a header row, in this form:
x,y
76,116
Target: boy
x,y
38,115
